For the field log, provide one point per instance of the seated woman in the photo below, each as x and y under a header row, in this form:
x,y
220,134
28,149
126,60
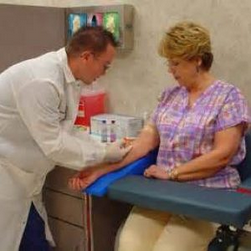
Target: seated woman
x,y
199,126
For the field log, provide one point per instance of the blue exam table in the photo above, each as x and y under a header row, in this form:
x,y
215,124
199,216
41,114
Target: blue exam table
x,y
229,208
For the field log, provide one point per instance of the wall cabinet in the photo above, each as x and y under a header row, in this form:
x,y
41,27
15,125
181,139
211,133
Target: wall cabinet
x,y
29,31
26,32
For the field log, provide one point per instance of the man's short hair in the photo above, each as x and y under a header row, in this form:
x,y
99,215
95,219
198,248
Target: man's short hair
x,y
94,39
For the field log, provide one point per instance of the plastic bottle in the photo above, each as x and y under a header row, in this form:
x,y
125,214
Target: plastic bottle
x,y
103,131
113,135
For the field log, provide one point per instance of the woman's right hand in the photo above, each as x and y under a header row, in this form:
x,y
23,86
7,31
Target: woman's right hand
x,y
84,178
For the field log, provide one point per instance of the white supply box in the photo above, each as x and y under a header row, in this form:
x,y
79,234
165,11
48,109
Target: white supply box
x,y
123,125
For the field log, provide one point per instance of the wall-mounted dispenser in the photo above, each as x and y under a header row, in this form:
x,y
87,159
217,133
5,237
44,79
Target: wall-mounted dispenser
x,y
95,19
75,21
116,18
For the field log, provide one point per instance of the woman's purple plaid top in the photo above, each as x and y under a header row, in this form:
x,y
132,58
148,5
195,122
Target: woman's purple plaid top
x,y
188,132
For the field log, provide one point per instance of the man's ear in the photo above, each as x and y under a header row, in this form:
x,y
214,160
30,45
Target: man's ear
x,y
86,55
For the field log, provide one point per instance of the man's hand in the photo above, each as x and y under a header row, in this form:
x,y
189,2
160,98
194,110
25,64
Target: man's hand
x,y
116,151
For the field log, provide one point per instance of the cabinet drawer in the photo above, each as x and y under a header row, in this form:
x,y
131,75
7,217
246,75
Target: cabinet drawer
x,y
67,237
64,207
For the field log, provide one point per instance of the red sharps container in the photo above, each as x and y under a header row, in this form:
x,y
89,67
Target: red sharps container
x,y
92,102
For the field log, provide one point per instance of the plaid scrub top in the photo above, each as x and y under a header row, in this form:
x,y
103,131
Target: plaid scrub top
x,y
188,132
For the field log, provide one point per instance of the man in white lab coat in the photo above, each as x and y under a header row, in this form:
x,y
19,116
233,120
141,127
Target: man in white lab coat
x,y
38,106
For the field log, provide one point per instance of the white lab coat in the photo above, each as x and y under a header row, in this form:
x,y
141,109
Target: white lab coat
x,y
38,106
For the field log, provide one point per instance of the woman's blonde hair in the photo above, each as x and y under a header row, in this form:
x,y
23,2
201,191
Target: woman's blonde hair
x,y
187,40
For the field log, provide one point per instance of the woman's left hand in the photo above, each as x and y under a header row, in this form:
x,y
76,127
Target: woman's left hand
x,y
156,172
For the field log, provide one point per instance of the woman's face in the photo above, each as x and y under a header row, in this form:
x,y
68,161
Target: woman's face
x,y
185,72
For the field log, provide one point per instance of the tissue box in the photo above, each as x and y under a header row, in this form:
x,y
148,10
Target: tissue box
x,y
125,126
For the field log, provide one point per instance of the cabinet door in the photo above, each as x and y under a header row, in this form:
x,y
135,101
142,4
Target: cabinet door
x,y
107,216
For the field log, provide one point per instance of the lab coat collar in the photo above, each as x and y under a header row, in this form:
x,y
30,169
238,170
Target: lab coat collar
x,y
61,53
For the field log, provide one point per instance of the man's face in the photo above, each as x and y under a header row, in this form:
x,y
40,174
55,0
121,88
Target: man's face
x,y
92,66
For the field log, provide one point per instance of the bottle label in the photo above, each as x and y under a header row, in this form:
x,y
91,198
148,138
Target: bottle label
x,y
113,137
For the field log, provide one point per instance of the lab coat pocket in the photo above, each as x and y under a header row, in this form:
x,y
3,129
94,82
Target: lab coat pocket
x,y
14,182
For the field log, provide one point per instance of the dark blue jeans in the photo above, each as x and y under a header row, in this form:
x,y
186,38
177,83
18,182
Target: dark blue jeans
x,y
34,234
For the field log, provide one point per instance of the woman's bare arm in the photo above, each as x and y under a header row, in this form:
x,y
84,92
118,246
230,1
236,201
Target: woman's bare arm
x,y
144,143
226,144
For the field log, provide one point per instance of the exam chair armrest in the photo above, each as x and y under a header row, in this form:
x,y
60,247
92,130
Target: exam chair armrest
x,y
215,205
99,187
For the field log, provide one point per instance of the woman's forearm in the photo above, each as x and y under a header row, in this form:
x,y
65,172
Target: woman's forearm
x,y
196,175
213,160
226,144
146,141
132,156
202,167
